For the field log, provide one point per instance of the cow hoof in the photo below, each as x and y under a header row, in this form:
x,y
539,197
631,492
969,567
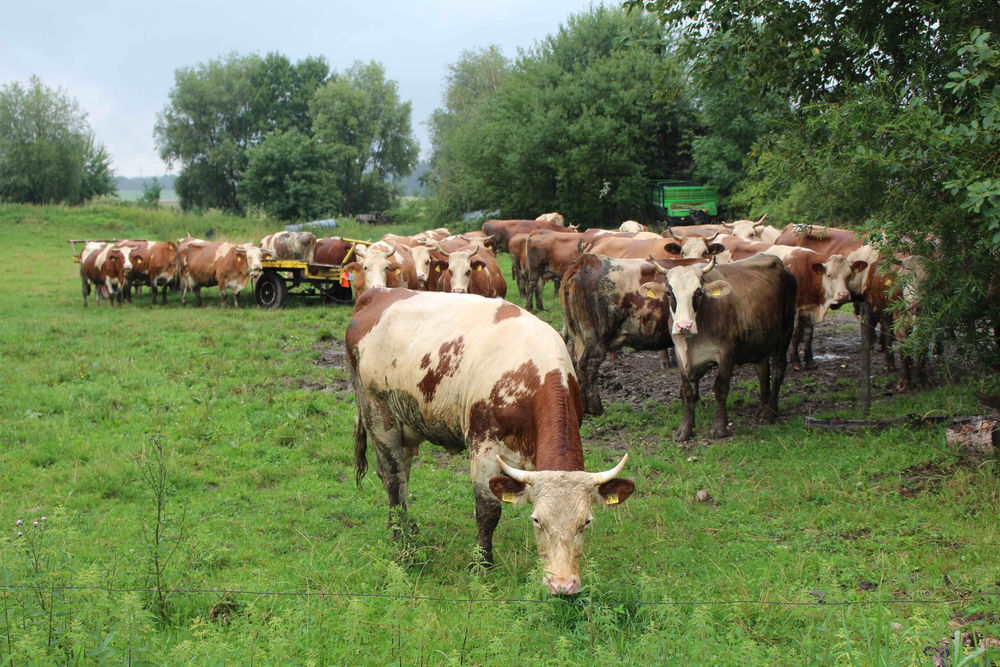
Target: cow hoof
x,y
682,434
718,432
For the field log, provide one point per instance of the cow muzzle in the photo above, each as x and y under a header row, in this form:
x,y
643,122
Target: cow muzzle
x,y
458,291
562,585
842,298
685,328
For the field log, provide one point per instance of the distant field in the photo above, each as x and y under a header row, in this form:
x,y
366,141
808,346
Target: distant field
x,y
814,548
166,196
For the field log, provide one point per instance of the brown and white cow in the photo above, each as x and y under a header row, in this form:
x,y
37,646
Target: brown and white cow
x,y
730,314
518,414
631,226
385,264
106,267
518,248
749,230
694,246
605,309
290,245
335,251
154,263
473,271
209,263
642,248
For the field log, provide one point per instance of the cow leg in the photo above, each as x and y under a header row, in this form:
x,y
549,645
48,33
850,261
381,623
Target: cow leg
x,y
886,340
539,287
393,467
683,433
796,340
722,381
777,376
590,365
85,288
556,282
197,296
487,518
764,380
808,326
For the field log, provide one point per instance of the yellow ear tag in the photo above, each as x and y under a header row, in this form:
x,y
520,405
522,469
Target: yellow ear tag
x,y
479,268
399,270
438,269
716,292
611,499
509,497
888,282
650,294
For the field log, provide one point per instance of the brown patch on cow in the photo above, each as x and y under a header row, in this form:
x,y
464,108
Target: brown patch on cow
x,y
368,312
506,311
449,356
538,419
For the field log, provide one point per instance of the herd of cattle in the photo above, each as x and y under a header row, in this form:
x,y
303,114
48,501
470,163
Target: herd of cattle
x,y
436,354
470,372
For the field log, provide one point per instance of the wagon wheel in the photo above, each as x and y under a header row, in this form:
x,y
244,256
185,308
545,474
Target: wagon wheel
x,y
271,291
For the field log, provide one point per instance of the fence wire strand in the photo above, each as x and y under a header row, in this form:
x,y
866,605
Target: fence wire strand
x,y
978,595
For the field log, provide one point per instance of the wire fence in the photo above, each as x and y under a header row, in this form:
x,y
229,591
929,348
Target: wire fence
x,y
981,594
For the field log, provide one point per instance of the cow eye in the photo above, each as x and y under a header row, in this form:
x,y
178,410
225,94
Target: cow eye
x,y
586,524
534,520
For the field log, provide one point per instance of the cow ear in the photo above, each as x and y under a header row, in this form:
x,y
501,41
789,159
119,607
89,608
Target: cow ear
x,y
478,265
439,265
353,267
507,489
818,268
717,289
616,491
859,266
714,249
653,290
673,248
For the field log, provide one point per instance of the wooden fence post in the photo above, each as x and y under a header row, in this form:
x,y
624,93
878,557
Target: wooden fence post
x,y
866,359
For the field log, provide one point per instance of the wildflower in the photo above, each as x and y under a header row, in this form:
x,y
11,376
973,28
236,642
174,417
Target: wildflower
x,y
20,533
19,522
34,523
42,519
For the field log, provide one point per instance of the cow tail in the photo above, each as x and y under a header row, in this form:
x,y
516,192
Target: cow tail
x,y
360,449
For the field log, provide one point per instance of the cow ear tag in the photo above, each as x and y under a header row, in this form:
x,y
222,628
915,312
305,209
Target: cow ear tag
x,y
650,293
888,282
438,269
611,499
509,497
716,292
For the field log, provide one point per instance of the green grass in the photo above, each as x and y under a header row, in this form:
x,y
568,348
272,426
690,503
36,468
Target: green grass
x,y
261,498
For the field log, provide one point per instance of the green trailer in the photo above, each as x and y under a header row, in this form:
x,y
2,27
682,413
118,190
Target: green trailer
x,y
682,203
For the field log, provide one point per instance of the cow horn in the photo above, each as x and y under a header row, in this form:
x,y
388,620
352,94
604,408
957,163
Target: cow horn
x,y
761,220
577,226
656,266
730,225
707,241
608,475
675,237
392,252
523,476
710,266
437,246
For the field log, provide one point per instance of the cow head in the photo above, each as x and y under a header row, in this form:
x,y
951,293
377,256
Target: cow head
x,y
461,265
561,515
126,257
631,226
685,288
748,230
422,264
379,267
693,247
253,256
838,272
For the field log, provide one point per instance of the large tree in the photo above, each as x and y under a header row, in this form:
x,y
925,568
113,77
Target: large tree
x,y
47,150
359,118
218,110
575,125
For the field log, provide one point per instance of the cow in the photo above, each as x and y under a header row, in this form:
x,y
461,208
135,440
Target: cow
x,y
631,226
228,265
431,236
154,263
641,248
547,256
473,270
518,414
503,231
730,314
385,264
605,309
518,248
749,230
290,245
693,246
335,251
106,267
694,230
552,217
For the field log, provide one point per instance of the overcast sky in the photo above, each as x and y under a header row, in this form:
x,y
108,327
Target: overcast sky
x,y
117,59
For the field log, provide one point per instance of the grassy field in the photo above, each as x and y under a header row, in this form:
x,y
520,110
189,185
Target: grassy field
x,y
210,450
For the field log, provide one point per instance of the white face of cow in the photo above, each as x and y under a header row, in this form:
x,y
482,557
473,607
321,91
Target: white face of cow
x,y
126,252
837,272
747,230
461,265
422,260
254,255
695,247
562,514
686,287
377,264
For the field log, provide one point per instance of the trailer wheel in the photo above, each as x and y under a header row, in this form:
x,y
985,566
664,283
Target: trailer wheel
x,y
271,291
